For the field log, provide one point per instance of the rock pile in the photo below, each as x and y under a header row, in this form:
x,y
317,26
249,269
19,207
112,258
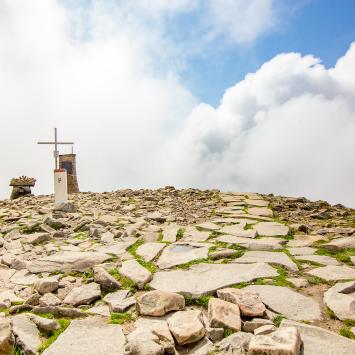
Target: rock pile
x,y
176,272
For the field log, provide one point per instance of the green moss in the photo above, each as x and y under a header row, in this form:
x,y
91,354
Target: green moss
x,y
349,322
346,332
147,264
315,280
120,318
64,323
81,235
227,333
16,351
128,284
330,313
180,233
342,256
201,301
281,280
30,229
193,262
278,319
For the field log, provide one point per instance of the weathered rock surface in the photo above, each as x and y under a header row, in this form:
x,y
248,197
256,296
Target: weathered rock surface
x,y
249,303
6,337
320,259
67,261
203,279
186,327
291,304
105,280
136,272
119,301
26,334
340,244
85,294
157,303
334,273
235,344
267,257
285,341
222,314
149,251
341,300
271,229
90,338
177,254
318,341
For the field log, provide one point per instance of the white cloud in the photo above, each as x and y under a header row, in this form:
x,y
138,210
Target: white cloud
x,y
94,73
289,128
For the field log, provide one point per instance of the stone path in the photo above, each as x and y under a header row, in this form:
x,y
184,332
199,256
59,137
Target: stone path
x,y
176,272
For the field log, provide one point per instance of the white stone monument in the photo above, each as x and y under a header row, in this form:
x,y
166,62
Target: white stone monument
x,y
60,175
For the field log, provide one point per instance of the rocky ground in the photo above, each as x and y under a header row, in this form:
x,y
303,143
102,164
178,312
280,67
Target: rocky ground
x,y
176,272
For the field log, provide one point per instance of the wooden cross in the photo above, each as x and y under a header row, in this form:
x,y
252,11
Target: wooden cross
x,y
56,152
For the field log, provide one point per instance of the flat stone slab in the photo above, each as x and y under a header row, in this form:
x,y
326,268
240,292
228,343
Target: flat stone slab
x,y
26,334
89,337
341,300
177,254
291,304
257,203
304,240
267,257
261,211
238,230
149,251
340,244
320,259
302,251
271,229
333,273
118,248
136,272
170,232
191,234
209,226
267,243
204,279
67,261
319,341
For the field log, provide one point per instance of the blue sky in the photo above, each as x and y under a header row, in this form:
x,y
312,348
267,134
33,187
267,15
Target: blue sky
x,y
324,28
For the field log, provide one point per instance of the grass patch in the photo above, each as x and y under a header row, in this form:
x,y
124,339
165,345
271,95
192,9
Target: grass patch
x,y
346,332
330,313
280,280
227,333
180,233
81,235
120,318
193,262
64,323
126,283
201,301
147,264
16,351
278,319
315,280
342,256
248,226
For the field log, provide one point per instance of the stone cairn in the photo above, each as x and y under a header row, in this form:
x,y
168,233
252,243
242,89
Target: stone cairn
x,y
21,186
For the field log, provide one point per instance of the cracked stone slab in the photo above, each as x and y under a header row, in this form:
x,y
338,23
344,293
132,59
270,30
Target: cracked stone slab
x,y
260,211
320,259
304,240
341,300
238,230
319,341
267,257
271,229
333,273
177,254
340,244
291,304
268,243
67,261
149,251
89,337
204,279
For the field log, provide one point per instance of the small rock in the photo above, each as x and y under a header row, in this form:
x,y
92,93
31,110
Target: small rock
x,y
157,303
235,344
46,285
250,326
67,207
249,303
222,314
186,327
265,329
49,299
285,341
44,324
85,294
6,337
119,301
136,272
105,280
